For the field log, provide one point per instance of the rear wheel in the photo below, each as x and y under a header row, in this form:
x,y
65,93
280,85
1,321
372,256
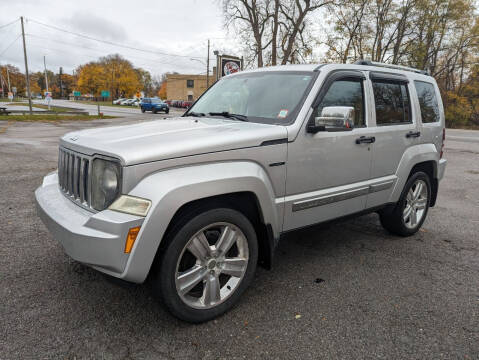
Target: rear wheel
x,y
410,212
208,263
167,111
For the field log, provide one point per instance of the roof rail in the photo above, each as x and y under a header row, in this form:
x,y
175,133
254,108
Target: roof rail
x,y
391,66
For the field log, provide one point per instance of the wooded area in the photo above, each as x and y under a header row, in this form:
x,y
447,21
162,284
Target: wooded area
x,y
441,36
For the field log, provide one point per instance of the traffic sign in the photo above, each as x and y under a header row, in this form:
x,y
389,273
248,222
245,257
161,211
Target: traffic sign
x,y
76,93
105,93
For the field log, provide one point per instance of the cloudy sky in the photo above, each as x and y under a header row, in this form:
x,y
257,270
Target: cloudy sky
x,y
161,29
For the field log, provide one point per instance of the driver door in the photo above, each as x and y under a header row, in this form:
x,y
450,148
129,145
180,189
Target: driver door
x,y
328,171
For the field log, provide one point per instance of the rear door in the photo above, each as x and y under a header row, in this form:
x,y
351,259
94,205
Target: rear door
x,y
395,128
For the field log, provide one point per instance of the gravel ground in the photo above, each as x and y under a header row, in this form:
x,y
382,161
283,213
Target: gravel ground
x,y
345,291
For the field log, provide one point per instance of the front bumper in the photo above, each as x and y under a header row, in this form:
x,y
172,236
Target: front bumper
x,y
95,239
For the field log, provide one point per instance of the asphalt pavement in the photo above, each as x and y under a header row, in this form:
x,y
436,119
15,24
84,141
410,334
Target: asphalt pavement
x,y
343,291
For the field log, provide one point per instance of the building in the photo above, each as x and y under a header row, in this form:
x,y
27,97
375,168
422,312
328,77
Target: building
x,y
185,87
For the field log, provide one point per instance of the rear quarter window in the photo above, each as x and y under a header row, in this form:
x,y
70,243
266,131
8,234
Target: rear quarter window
x,y
426,94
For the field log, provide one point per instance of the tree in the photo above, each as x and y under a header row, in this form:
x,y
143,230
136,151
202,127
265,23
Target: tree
x,y
273,31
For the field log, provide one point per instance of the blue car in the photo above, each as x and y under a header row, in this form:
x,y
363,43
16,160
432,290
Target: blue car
x,y
154,105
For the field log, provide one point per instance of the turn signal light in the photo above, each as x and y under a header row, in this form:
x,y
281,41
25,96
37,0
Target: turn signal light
x,y
130,239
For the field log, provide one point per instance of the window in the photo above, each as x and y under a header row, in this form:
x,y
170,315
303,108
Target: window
x,y
392,103
271,97
427,101
190,83
190,97
346,93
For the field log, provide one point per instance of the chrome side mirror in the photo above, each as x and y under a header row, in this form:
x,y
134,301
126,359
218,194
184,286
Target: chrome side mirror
x,y
334,118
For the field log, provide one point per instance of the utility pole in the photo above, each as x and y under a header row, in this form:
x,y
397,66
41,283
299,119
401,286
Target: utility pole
x,y
61,82
48,97
8,78
46,77
26,68
208,67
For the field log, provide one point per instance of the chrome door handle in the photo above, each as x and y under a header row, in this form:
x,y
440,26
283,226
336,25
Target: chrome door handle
x,y
365,140
413,134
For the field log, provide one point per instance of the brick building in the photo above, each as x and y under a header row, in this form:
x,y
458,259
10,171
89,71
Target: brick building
x,y
185,87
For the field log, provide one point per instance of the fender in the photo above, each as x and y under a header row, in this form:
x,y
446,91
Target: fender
x,y
412,156
169,189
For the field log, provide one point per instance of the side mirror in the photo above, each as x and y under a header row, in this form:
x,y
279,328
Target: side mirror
x,y
333,118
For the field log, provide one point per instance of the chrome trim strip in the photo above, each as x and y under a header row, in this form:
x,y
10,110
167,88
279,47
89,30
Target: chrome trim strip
x,y
339,193
324,200
381,186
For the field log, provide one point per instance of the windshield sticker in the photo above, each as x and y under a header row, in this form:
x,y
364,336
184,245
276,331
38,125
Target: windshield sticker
x,y
283,113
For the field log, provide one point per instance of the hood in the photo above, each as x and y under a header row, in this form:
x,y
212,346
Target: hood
x,y
170,138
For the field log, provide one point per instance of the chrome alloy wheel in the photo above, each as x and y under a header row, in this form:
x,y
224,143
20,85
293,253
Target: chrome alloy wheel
x,y
416,202
211,265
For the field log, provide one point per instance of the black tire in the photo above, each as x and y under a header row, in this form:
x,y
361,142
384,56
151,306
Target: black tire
x,y
167,111
164,277
154,111
143,110
393,219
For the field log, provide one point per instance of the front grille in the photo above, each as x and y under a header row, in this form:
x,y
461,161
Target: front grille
x,y
74,176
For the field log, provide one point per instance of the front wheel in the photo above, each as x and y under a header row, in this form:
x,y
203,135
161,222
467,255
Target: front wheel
x,y
142,110
167,111
410,211
208,263
154,111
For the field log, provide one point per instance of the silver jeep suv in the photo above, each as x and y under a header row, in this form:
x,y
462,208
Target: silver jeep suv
x,y
195,203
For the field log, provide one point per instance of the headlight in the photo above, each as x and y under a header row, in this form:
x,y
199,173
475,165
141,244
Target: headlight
x,y
131,205
105,183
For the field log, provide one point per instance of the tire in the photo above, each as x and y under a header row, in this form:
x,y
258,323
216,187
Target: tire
x,y
186,297
143,110
403,222
167,111
154,111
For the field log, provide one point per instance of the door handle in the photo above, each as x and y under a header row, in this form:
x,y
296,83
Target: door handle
x,y
365,140
413,134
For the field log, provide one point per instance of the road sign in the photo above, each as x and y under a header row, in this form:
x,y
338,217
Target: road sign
x,y
138,95
10,95
105,93
228,65
76,93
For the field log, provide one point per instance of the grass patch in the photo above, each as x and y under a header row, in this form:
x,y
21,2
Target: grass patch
x,y
44,107
51,117
101,103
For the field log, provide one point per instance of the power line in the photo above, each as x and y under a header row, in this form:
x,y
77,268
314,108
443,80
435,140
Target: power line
x,y
113,43
98,50
8,47
10,23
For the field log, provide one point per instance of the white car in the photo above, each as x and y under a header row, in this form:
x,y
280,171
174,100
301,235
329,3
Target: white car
x,y
118,101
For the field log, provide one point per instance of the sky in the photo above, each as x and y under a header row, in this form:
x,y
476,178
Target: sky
x,y
161,29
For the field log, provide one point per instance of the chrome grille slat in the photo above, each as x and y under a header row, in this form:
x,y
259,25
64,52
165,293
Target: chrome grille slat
x,y
74,176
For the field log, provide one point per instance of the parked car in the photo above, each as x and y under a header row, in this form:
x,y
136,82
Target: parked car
x,y
118,101
154,105
195,203
126,102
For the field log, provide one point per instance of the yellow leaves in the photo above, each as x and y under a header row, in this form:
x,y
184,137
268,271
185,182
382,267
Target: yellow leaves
x,y
112,73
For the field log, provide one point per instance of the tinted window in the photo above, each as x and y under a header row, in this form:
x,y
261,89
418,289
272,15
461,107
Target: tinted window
x,y
346,93
190,83
427,101
392,103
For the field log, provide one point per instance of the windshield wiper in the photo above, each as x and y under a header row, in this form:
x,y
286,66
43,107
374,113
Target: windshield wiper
x,y
196,114
227,114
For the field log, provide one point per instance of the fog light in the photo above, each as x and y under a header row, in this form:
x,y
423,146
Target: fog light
x,y
130,239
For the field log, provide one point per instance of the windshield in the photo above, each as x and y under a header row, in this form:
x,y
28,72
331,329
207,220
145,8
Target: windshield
x,y
271,97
